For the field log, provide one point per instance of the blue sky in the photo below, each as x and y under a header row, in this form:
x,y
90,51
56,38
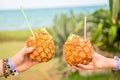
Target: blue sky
x,y
15,4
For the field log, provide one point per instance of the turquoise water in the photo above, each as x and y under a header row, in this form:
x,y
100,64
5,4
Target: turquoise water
x,y
13,19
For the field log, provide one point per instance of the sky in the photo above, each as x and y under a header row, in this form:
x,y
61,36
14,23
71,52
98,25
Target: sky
x,y
15,4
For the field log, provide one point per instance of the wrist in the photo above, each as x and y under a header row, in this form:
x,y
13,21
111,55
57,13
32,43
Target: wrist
x,y
111,63
14,62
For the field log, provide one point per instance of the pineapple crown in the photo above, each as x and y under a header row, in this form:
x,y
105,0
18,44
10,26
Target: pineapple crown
x,y
44,30
71,36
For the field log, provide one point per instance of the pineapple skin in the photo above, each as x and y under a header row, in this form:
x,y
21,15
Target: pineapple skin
x,y
43,44
77,51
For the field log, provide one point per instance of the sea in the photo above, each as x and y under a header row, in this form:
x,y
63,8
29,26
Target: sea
x,y
14,20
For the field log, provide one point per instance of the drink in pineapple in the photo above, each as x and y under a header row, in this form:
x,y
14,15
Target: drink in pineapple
x,y
43,45
42,42
77,50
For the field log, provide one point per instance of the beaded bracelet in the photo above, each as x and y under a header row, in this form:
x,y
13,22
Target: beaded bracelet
x,y
118,63
12,67
6,68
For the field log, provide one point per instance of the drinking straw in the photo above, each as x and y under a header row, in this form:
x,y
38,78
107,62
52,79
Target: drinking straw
x,y
84,27
26,19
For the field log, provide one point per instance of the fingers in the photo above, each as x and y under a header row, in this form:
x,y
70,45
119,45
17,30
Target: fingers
x,y
77,68
29,50
84,67
26,50
35,62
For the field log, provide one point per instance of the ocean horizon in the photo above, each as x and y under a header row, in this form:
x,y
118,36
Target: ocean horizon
x,y
14,20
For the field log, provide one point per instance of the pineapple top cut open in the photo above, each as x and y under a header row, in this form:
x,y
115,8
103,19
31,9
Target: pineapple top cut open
x,y
76,50
43,44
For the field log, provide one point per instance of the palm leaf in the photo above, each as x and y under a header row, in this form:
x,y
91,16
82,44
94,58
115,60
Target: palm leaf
x,y
97,32
112,34
115,10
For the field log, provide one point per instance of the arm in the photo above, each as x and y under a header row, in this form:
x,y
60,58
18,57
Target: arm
x,y
20,61
98,62
1,68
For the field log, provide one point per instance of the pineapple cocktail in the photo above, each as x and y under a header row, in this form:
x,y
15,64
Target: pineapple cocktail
x,y
43,44
78,50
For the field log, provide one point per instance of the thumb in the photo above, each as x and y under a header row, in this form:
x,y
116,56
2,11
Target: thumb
x,y
27,50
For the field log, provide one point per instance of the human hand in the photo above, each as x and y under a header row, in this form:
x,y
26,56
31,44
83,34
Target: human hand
x,y
21,60
98,62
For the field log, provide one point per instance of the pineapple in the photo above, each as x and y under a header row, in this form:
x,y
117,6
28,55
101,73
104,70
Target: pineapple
x,y
76,50
43,45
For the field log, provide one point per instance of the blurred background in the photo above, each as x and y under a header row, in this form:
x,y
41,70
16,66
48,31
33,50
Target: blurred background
x,y
60,18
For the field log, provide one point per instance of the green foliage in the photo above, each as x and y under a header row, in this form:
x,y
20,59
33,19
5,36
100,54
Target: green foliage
x,y
106,34
77,76
110,6
112,33
97,32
